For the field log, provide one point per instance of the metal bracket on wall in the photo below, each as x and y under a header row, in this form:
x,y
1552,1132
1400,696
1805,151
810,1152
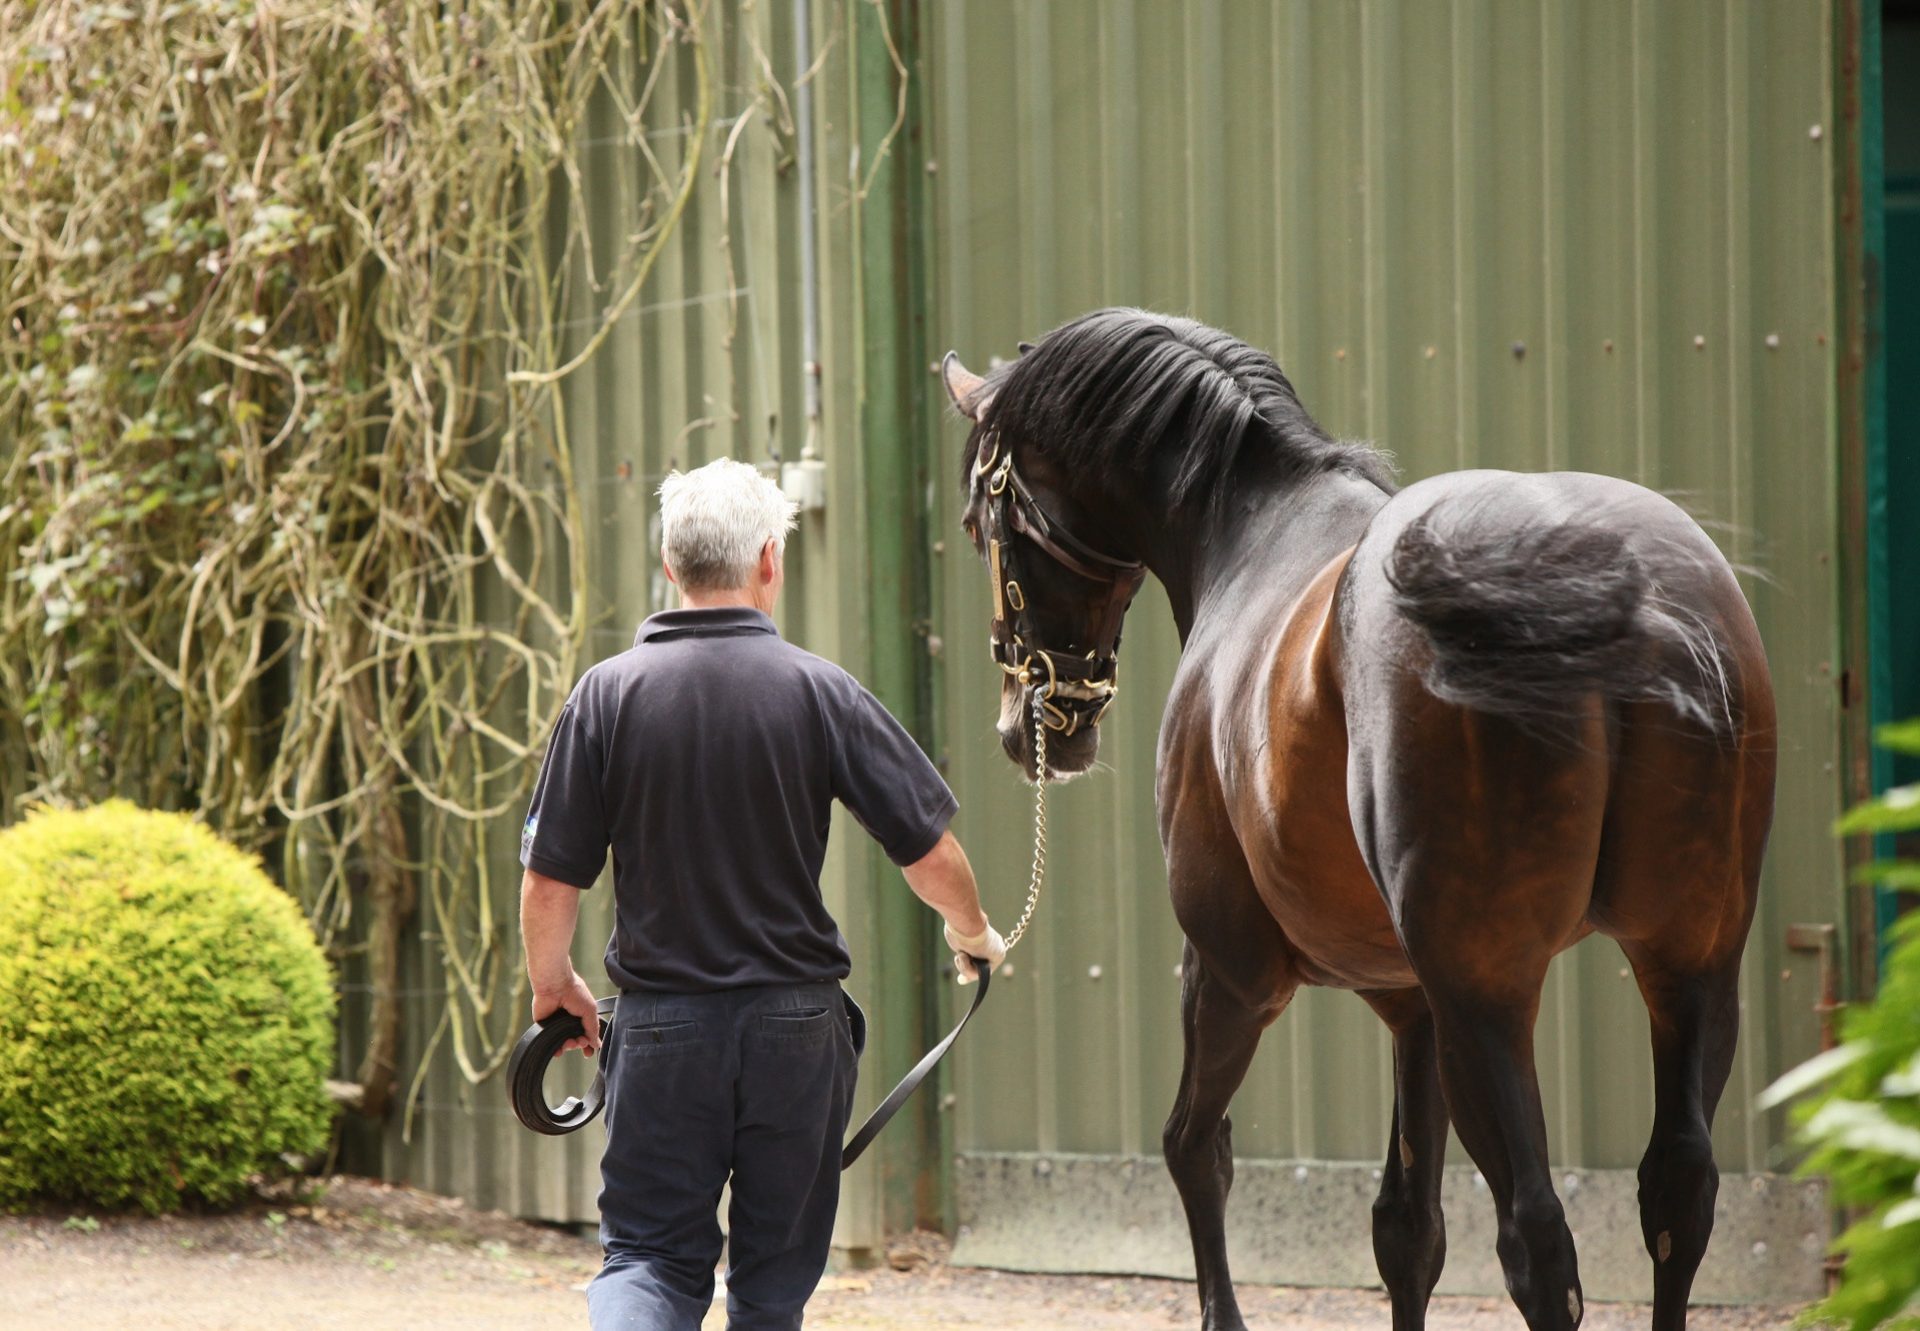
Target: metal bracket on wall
x,y
805,483
1822,941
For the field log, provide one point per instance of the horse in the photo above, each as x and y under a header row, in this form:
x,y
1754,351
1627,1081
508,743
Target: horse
x,y
1419,741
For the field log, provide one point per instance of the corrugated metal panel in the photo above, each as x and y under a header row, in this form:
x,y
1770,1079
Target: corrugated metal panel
x,y
706,364
1510,234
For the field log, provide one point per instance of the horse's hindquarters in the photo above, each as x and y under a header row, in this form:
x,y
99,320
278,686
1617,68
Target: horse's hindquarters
x,y
1523,770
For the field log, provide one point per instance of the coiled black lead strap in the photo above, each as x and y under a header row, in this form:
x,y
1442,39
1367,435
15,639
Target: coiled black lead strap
x,y
527,1074
911,1082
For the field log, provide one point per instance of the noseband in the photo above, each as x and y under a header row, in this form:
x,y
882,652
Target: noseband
x,y
1074,690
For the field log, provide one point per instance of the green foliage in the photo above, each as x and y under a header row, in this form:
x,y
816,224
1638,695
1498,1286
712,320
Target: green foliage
x,y
1863,1129
165,1014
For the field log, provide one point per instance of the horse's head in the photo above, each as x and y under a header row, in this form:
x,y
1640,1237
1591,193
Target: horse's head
x,y
1058,599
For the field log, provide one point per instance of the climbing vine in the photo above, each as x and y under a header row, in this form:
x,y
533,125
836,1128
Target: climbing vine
x,y
289,528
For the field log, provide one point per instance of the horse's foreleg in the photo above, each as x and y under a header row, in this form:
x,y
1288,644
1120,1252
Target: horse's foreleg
x,y
1221,1032
1695,1020
1409,1231
1493,1096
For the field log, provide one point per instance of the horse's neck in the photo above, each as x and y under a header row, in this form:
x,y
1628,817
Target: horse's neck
x,y
1263,546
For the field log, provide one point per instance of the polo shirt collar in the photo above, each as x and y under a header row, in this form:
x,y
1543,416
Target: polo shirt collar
x,y
713,621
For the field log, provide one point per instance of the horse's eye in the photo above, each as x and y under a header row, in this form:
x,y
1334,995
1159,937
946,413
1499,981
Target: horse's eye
x,y
973,532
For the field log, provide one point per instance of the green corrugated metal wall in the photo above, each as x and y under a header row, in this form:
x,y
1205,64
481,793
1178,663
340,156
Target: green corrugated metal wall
x,y
1596,236
1537,236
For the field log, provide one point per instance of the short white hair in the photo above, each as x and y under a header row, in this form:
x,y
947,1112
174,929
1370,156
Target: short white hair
x,y
715,520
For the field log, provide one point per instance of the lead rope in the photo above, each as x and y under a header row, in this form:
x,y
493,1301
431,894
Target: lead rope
x,y
911,1082
1039,877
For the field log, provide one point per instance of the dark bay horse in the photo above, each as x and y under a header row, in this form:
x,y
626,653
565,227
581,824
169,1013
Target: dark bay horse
x,y
1419,741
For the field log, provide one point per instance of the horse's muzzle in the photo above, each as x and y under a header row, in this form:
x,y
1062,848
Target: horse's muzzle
x,y
1067,755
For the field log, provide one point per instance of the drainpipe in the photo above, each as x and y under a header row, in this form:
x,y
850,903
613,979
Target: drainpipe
x,y
809,230
805,481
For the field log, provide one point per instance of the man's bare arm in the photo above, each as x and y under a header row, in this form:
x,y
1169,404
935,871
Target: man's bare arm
x,y
944,880
549,910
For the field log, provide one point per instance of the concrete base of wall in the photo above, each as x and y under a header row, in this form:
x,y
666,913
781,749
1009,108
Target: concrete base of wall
x,y
1310,1223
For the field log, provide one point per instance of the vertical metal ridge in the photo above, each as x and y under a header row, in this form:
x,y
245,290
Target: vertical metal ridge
x,y
1207,72
1284,347
1641,336
953,175
1190,96
1553,262
808,225
1738,330
1034,130
1120,65
1373,171
1466,354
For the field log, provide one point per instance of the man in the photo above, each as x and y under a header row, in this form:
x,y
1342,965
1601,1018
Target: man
x,y
708,757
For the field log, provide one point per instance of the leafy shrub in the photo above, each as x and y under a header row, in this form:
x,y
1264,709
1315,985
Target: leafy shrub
x,y
165,1014
1864,1127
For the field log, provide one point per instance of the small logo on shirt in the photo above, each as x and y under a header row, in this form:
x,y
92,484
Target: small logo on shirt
x,y
527,832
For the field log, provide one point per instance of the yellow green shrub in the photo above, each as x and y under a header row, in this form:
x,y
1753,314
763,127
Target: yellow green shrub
x,y
166,1018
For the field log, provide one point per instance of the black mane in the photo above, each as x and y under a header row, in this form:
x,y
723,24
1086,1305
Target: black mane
x,y
1120,388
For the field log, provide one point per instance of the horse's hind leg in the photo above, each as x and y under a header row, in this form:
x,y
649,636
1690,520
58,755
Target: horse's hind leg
x,y
1687,826
1696,1018
1493,1096
1221,1033
1409,1231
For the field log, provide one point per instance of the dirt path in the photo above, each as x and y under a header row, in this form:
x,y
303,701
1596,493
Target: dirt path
x,y
365,1257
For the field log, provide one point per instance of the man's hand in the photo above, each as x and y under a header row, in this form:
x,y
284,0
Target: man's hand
x,y
987,945
576,998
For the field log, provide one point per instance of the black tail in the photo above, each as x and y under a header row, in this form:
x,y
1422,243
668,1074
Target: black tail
x,y
1524,623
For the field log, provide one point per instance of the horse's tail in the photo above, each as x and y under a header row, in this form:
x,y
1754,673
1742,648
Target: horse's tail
x,y
1526,622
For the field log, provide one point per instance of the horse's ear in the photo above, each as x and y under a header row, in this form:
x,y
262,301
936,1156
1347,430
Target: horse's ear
x,y
967,389
1025,347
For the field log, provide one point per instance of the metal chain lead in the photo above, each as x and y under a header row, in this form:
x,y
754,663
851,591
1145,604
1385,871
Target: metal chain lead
x,y
1039,818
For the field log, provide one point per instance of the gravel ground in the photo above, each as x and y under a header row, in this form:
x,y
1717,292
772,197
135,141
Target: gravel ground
x,y
361,1256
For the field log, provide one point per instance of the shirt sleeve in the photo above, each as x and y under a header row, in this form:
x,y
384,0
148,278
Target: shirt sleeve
x,y
887,783
565,836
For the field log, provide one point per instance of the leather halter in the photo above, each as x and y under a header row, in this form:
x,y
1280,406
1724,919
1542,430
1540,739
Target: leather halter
x,y
1076,690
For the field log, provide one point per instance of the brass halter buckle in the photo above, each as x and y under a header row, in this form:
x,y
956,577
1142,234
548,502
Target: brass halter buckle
x,y
1055,718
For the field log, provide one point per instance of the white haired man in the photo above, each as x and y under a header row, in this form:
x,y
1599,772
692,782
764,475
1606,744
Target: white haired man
x,y
707,757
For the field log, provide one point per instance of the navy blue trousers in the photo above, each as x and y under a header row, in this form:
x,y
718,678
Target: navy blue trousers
x,y
748,1086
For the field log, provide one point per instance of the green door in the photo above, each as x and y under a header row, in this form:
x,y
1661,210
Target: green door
x,y
1893,501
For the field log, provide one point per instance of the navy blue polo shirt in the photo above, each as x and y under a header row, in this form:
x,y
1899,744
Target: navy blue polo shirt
x,y
708,757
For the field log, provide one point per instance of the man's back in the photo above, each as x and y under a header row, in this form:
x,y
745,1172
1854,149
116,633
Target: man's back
x,y
714,750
